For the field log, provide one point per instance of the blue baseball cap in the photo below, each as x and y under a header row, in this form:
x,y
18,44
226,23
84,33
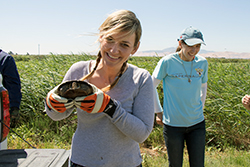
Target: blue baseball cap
x,y
192,36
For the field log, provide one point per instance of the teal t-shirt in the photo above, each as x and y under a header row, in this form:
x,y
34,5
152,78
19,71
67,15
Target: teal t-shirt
x,y
182,99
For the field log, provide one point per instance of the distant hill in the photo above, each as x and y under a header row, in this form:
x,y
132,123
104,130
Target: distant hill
x,y
205,53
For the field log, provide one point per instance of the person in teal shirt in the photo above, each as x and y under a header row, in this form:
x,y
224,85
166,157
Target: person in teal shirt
x,y
184,75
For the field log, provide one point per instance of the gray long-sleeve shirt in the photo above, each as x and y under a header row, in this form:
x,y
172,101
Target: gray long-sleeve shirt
x,y
102,141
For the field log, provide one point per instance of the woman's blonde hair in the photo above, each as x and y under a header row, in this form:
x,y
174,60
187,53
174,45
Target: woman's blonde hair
x,y
122,21
119,21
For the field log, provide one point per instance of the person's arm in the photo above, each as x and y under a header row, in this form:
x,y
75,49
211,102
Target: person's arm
x,y
246,102
157,103
158,109
203,93
138,124
12,83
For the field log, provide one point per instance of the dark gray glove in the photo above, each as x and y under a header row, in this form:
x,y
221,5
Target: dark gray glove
x,y
14,116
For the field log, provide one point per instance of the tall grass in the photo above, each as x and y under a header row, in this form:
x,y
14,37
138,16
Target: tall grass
x,y
227,121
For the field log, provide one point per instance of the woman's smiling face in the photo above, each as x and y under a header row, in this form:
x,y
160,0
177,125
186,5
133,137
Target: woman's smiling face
x,y
188,52
117,48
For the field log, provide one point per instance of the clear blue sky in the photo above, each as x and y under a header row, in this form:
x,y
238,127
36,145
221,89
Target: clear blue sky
x,y
60,26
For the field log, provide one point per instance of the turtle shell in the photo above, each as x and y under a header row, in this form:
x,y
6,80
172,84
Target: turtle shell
x,y
75,88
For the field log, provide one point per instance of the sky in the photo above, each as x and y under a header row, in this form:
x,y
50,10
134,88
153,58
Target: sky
x,y
69,26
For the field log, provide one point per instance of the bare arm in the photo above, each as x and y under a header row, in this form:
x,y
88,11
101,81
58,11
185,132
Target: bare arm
x,y
203,93
158,109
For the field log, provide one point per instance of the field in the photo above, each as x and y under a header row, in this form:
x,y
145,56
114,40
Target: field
x,y
227,121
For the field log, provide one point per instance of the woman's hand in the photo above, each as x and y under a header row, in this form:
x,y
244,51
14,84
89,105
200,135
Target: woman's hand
x,y
159,118
97,102
246,102
58,103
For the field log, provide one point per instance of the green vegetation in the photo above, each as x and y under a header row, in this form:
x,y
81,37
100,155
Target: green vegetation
x,y
227,121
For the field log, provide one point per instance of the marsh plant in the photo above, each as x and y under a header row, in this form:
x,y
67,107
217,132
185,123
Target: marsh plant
x,y
227,121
